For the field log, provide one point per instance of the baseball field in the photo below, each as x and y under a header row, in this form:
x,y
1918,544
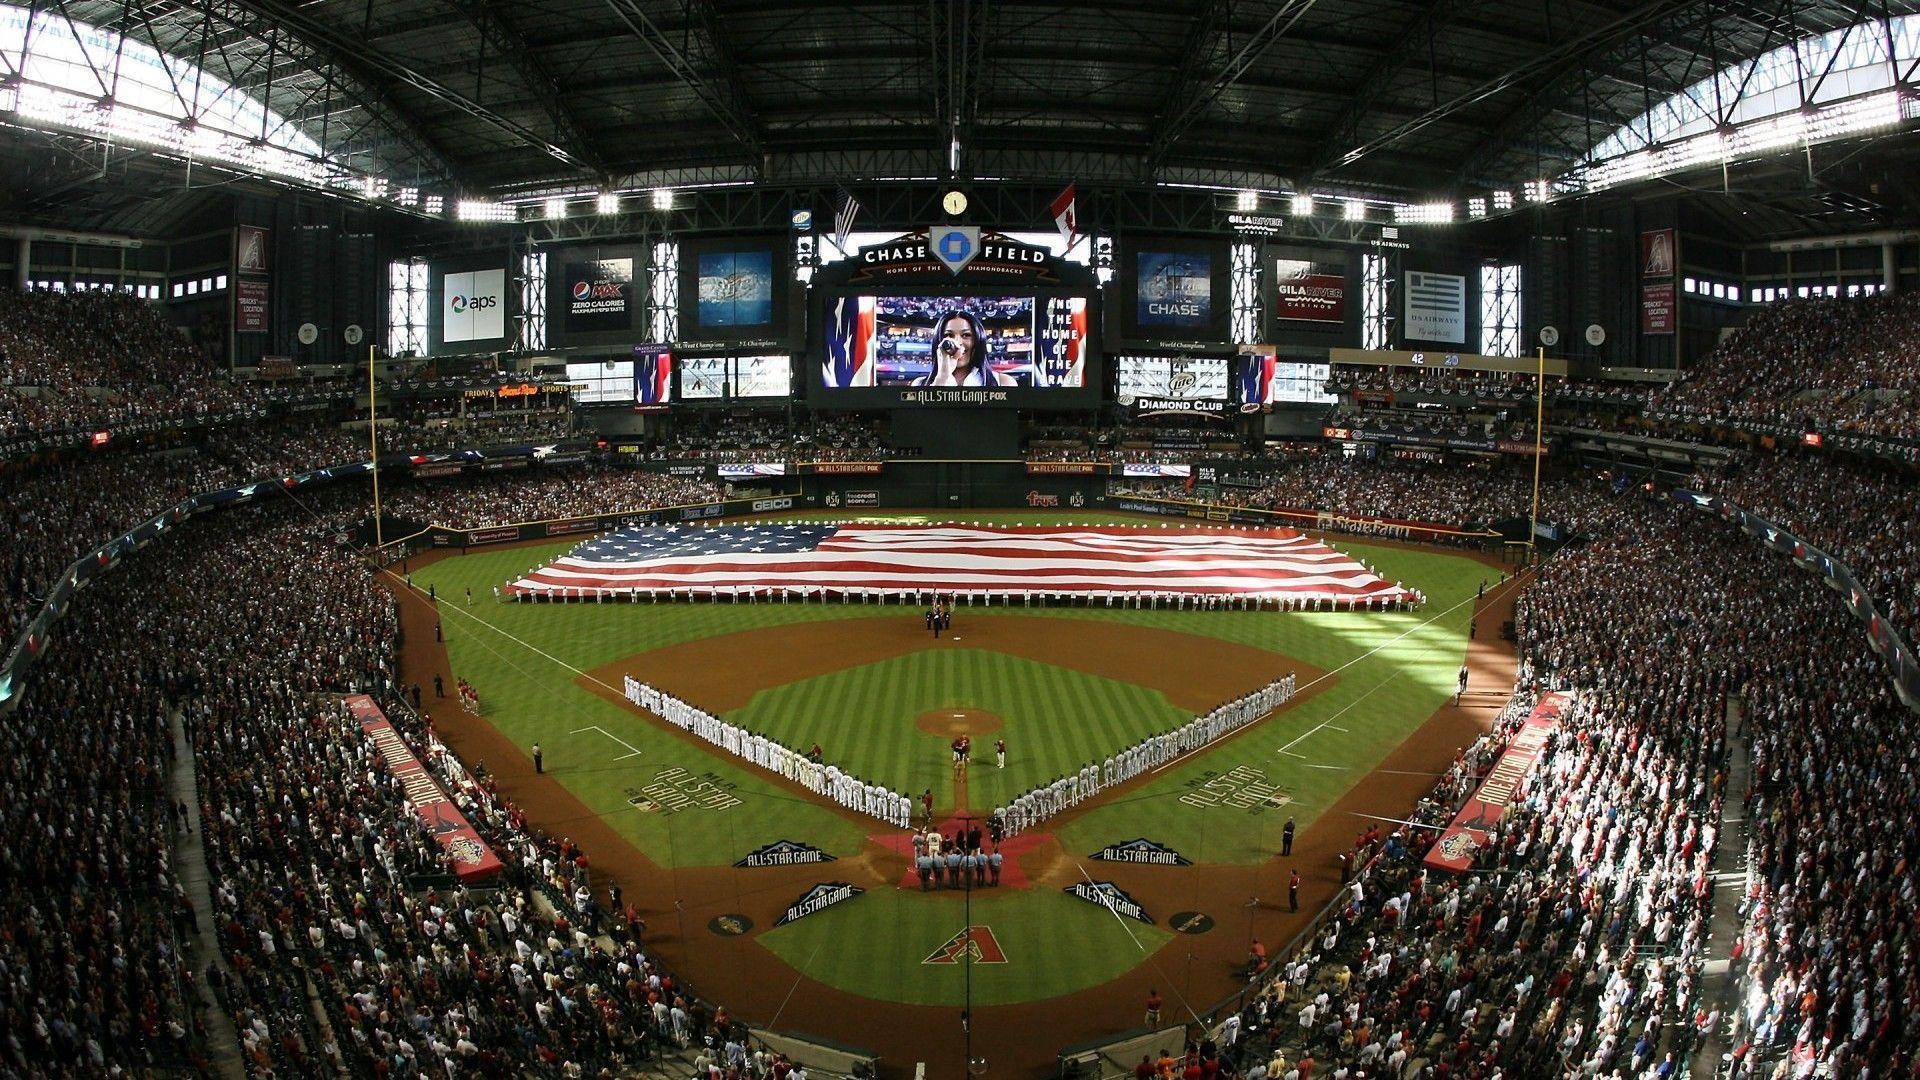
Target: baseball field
x,y
874,966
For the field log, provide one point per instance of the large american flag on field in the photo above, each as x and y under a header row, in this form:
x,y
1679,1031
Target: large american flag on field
x,y
959,559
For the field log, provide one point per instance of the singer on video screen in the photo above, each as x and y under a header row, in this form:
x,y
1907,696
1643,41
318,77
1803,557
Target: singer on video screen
x,y
960,354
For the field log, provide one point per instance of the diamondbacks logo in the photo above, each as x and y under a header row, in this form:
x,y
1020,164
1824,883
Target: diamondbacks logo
x,y
1109,896
977,941
1458,846
785,853
819,898
1142,850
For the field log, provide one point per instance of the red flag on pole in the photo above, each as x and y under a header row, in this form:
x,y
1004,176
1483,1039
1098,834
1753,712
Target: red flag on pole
x,y
1064,217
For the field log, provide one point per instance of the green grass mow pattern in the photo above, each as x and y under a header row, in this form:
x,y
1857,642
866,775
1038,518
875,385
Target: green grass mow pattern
x,y
1224,805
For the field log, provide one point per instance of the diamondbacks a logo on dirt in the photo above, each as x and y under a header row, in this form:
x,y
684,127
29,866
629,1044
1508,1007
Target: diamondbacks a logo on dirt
x,y
730,925
1109,896
1141,850
976,940
785,853
819,898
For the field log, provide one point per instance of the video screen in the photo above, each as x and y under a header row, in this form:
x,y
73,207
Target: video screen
x,y
1265,379
1174,289
606,383
1193,378
709,378
957,341
652,377
736,288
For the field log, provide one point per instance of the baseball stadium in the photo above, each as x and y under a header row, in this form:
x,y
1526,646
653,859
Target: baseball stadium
x,y
769,540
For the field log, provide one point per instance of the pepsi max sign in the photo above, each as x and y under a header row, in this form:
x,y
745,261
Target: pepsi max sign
x,y
599,295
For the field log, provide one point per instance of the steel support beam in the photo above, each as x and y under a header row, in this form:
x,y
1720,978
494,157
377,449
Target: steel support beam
x,y
1176,124
1554,60
724,97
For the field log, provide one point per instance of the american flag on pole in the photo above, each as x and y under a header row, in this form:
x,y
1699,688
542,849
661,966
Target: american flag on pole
x,y
845,209
960,559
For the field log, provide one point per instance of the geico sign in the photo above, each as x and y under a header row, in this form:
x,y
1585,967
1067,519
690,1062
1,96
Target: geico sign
x,y
474,303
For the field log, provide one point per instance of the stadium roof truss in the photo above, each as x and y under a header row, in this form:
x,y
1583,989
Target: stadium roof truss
x,y
1388,100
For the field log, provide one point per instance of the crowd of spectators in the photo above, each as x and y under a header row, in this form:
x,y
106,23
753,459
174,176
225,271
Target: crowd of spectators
x,y
542,494
95,361
1865,515
1429,492
1843,365
1574,948
325,884
54,513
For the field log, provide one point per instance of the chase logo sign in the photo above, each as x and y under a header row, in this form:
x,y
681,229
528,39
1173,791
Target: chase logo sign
x,y
955,245
785,853
1141,850
1109,896
819,898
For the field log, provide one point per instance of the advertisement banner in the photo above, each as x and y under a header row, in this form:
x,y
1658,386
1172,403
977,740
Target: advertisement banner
x,y
473,306
249,305
862,498
472,858
1658,254
1173,289
1307,291
1458,844
599,295
844,468
735,288
1138,408
1082,468
1436,307
1657,308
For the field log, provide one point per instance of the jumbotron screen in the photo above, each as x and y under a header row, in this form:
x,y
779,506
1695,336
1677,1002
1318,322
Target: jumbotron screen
x,y
717,377
988,342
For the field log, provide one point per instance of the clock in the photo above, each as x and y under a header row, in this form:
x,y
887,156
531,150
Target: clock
x,y
955,203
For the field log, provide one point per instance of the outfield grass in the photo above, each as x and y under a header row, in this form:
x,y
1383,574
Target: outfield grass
x,y
1393,670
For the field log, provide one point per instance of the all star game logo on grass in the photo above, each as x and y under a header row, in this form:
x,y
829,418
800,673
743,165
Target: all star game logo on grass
x,y
818,899
785,853
1141,850
1109,896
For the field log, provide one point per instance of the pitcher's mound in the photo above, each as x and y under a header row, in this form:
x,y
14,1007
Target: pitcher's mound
x,y
948,723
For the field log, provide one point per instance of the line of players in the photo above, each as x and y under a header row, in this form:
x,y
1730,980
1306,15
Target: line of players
x,y
806,770
1028,810
1047,800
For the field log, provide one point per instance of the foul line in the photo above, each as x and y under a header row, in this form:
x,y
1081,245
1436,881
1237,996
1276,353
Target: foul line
x,y
1172,986
1299,690
610,735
